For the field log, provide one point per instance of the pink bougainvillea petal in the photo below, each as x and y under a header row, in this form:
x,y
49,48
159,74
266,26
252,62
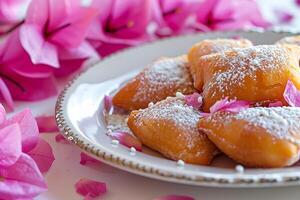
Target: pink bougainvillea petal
x,y
83,51
292,94
276,104
4,91
229,105
75,31
284,16
22,180
84,159
194,100
10,145
37,12
46,124
40,50
59,138
42,155
92,189
174,197
108,103
28,127
126,139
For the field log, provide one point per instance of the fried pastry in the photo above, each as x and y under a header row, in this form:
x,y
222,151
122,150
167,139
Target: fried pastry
x,y
159,80
255,74
256,137
207,47
170,127
295,40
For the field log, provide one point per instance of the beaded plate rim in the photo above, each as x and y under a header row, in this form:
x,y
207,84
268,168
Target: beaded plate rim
x,y
206,179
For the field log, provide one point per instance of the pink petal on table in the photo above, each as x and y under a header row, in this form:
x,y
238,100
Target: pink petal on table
x,y
22,180
46,124
40,50
90,188
4,91
76,30
42,155
84,159
10,145
284,16
28,127
174,197
59,138
276,104
229,105
108,103
194,100
2,114
292,94
126,139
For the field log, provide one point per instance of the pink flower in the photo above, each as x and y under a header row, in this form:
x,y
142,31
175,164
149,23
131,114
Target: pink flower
x,y
19,78
292,94
121,23
174,17
47,124
11,14
55,30
21,156
231,14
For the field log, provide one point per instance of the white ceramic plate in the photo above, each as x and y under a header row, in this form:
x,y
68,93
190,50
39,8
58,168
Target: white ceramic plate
x,y
79,117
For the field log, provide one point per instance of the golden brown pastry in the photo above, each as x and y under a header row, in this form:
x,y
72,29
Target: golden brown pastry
x,y
207,47
170,127
295,40
255,74
159,80
256,137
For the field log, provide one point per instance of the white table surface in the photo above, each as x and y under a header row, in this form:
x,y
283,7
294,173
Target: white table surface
x,y
121,185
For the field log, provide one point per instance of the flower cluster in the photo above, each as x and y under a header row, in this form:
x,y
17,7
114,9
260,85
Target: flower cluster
x,y
55,37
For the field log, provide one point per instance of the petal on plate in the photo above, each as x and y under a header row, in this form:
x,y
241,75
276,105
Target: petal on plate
x,y
108,103
28,127
22,180
292,94
229,105
84,159
174,197
42,155
126,139
276,104
46,124
4,91
10,145
194,100
40,50
59,138
92,189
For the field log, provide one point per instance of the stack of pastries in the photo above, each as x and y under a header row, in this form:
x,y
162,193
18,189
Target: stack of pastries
x,y
258,136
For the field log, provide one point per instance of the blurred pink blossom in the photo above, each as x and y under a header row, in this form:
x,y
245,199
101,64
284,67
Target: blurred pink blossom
x,y
55,30
121,23
175,17
10,14
231,15
21,151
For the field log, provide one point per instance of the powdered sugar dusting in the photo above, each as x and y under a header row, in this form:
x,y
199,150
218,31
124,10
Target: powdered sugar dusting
x,y
165,75
282,122
173,110
241,63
